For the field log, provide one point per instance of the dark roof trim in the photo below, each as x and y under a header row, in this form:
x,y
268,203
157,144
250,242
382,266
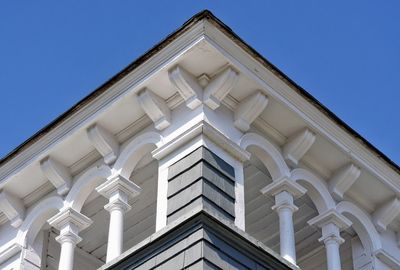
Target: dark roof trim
x,y
205,14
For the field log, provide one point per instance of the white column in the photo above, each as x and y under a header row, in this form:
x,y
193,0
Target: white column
x,y
331,224
285,190
70,223
285,208
118,190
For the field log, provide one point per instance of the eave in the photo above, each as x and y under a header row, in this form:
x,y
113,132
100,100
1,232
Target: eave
x,y
338,132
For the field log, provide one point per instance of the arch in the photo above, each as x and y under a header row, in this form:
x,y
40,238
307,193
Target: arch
x,y
362,224
316,189
36,218
85,184
134,152
268,153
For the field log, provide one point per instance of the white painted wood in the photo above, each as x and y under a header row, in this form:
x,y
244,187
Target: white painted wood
x,y
219,86
118,191
297,146
187,86
70,223
343,179
104,142
155,107
249,109
386,214
12,207
58,174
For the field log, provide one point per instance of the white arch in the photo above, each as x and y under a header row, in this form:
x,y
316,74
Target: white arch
x,y
134,152
316,189
268,153
36,218
362,224
85,184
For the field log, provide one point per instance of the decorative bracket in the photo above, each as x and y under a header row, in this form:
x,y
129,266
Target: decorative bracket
x,y
57,174
13,208
219,86
249,109
385,215
343,179
155,107
297,146
104,142
187,86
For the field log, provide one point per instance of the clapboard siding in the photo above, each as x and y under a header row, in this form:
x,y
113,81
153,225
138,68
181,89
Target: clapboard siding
x,y
201,180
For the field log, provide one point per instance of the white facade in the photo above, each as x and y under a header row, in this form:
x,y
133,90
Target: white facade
x,y
94,184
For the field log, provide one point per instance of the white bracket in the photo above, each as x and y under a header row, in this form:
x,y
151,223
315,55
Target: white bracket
x,y
249,109
13,208
57,174
219,87
343,179
104,142
297,146
187,86
155,107
386,214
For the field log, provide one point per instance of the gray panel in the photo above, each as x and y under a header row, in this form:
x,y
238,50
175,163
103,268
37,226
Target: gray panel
x,y
201,170
204,189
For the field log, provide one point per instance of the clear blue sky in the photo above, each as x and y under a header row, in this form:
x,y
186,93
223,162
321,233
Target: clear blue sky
x,y
345,53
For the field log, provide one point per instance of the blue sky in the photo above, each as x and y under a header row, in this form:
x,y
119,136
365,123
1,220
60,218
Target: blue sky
x,y
345,53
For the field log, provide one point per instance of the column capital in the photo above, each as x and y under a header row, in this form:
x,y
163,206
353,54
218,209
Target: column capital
x,y
70,222
284,184
331,223
118,184
118,190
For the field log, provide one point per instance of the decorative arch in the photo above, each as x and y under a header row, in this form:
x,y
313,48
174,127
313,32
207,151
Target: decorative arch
x,y
362,224
268,153
316,189
134,152
85,184
36,218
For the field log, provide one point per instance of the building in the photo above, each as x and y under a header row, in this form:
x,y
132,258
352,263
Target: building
x,y
223,162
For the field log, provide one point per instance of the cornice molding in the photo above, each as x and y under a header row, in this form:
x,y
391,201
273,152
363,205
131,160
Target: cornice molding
x,y
96,105
273,86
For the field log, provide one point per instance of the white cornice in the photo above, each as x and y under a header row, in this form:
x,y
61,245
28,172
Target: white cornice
x,y
275,88
246,64
88,113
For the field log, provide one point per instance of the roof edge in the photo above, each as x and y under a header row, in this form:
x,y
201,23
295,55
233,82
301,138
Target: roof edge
x,y
205,14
